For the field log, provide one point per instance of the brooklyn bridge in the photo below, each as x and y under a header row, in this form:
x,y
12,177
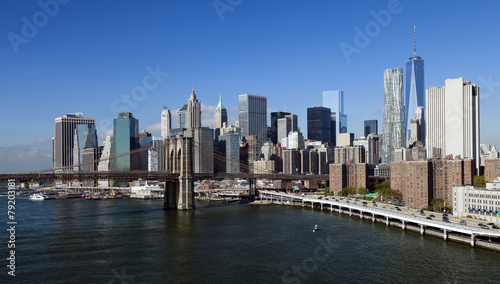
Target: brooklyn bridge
x,y
178,175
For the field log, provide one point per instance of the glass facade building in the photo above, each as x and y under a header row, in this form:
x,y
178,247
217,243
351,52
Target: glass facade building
x,y
126,139
334,100
319,124
394,127
414,88
371,127
415,92
253,116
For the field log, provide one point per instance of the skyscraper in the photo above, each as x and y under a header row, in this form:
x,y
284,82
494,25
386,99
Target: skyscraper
x,y
274,125
394,127
166,122
220,114
284,127
371,127
181,117
229,145
253,116
126,139
193,114
64,140
319,124
334,100
415,92
453,119
220,118
85,137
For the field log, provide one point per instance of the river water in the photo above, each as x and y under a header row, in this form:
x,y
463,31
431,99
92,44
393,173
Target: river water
x,y
135,241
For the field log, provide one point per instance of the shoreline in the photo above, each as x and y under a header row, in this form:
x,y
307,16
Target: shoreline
x,y
489,245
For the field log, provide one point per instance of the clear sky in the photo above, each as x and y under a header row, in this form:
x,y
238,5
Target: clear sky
x,y
90,56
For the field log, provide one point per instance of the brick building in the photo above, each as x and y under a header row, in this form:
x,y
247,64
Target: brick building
x,y
344,175
491,169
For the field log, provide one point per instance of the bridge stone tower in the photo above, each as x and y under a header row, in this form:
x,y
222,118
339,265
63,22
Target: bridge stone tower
x,y
179,195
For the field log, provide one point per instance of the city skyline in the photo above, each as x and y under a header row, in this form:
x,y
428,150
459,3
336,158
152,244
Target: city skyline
x,y
94,67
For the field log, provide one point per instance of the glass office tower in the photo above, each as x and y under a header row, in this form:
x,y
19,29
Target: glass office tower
x,y
319,126
253,116
334,100
371,127
414,88
126,139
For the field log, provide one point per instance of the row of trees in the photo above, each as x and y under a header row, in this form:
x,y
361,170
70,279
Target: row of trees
x,y
383,189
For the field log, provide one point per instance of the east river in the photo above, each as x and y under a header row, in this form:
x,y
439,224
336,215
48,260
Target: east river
x,y
135,241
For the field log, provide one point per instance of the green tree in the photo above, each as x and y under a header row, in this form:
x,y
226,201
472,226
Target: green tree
x,y
346,191
437,204
363,191
479,181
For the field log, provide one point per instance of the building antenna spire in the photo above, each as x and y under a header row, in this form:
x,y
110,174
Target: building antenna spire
x,y
414,41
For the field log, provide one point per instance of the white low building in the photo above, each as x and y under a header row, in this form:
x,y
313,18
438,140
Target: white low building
x,y
480,203
146,190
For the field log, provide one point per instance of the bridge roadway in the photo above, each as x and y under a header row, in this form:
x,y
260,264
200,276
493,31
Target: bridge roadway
x,y
387,214
149,175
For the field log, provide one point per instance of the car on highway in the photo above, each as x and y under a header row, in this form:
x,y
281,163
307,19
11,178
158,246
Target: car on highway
x,y
397,208
429,217
392,208
355,203
480,224
432,216
484,227
364,205
364,202
495,227
375,205
446,221
463,222
490,224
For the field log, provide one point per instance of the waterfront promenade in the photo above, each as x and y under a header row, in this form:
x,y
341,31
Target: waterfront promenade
x,y
405,219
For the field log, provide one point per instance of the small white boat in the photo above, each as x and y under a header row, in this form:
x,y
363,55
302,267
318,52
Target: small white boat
x,y
315,228
37,196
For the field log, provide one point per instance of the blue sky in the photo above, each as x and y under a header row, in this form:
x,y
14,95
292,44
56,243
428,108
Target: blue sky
x,y
86,56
